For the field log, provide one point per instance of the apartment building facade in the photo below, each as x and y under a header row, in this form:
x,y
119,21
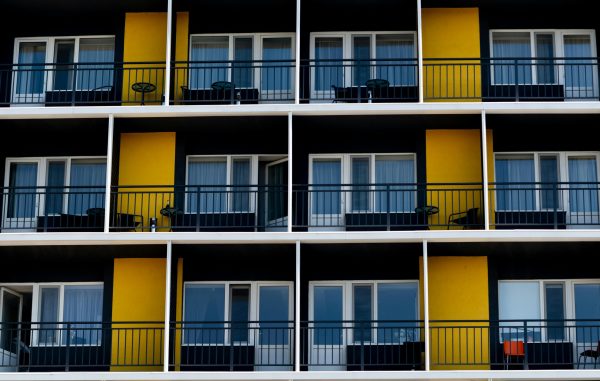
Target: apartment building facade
x,y
299,189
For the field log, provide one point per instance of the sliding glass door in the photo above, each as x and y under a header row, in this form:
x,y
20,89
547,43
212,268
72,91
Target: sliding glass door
x,y
22,195
326,192
29,81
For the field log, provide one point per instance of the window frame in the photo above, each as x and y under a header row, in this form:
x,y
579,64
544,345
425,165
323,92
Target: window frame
x,y
257,55
562,158
346,176
50,55
558,45
348,304
60,326
252,186
254,305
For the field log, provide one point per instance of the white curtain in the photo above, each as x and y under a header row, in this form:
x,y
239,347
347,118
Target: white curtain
x,y
390,49
204,303
519,300
511,45
583,197
395,171
83,304
102,52
276,75
202,73
329,73
88,181
212,197
30,76
22,196
510,195
579,72
326,199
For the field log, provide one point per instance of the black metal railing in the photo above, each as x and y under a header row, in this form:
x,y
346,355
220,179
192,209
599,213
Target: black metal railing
x,y
200,207
515,344
82,84
511,79
362,345
400,206
234,82
232,346
359,81
545,205
80,346
52,209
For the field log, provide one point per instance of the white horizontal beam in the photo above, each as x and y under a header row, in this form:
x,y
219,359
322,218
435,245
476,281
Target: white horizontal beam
x,y
308,376
444,108
432,236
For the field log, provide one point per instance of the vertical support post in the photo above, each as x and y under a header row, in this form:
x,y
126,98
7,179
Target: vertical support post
x,y
109,156
420,49
167,75
484,163
297,68
166,336
290,183
297,311
426,306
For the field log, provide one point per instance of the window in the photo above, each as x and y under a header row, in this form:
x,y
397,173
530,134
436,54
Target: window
x,y
221,312
375,183
60,308
381,311
221,184
49,186
547,181
246,60
544,305
94,57
546,57
362,56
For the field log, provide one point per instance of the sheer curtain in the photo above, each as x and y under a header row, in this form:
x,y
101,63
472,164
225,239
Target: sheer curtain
x,y
102,52
55,190
511,45
389,49
326,199
328,73
22,201
240,176
511,195
519,301
204,303
545,64
579,72
83,304
202,73
583,197
48,314
395,171
88,181
276,75
212,196
30,76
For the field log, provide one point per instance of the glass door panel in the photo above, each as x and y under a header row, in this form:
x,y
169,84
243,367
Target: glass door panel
x,y
587,313
580,73
64,57
23,196
361,65
329,64
10,335
583,190
512,58
545,68
30,73
276,71
328,341
209,56
277,197
242,63
326,195
274,349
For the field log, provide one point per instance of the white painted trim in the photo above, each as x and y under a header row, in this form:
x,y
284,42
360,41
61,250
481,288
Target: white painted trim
x,y
297,307
485,176
426,306
297,55
167,327
420,50
290,184
109,156
167,75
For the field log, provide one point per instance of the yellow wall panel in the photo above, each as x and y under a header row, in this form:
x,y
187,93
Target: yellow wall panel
x,y
146,159
138,296
454,156
458,290
181,51
450,33
145,41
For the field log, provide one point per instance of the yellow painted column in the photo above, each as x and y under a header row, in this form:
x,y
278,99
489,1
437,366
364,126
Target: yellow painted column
x,y
147,160
181,53
144,55
138,296
458,290
454,157
450,35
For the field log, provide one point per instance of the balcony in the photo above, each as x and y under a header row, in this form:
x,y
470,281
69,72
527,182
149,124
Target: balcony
x,y
82,84
81,346
360,81
511,79
234,82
